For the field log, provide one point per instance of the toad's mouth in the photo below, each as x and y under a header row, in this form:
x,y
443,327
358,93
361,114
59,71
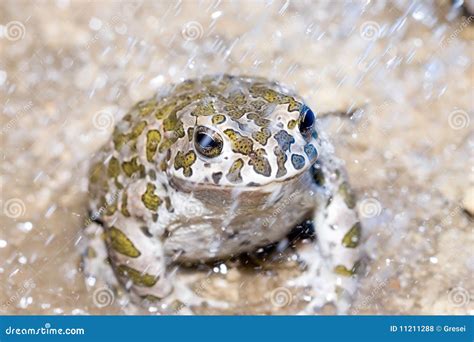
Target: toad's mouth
x,y
187,186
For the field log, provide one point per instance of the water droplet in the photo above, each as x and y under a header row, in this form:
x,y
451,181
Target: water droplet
x,y
216,14
25,226
3,77
95,24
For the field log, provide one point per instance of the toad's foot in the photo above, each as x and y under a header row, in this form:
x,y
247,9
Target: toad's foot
x,y
100,275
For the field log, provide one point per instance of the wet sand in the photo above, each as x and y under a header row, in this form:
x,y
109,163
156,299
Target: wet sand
x,y
69,70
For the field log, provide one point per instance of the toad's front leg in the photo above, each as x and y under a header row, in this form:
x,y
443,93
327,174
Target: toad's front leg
x,y
138,259
333,261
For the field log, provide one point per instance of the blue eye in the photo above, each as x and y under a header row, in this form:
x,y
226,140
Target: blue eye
x,y
306,121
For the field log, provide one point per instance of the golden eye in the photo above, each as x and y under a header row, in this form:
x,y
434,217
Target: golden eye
x,y
207,142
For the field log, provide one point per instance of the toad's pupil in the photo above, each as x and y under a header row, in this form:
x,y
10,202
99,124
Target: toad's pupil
x,y
307,120
205,141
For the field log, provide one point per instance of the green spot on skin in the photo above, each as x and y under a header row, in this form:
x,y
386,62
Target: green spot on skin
x,y
165,110
137,130
120,139
114,168
352,237
346,193
240,143
268,94
118,184
292,124
294,106
218,119
204,109
172,123
152,174
258,104
234,175
281,159
342,270
177,306
260,163
124,209
150,199
237,97
138,278
184,161
235,112
185,86
132,166
146,107
111,209
121,243
259,121
273,96
167,143
91,253
153,138
262,136
190,133
151,298
163,165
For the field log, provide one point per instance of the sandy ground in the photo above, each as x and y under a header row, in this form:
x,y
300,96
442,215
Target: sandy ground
x,y
70,69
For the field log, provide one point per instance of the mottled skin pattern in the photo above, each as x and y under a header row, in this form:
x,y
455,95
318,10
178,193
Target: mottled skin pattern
x,y
214,167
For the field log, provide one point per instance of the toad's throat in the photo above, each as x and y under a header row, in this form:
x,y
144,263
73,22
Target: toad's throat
x,y
233,231
233,223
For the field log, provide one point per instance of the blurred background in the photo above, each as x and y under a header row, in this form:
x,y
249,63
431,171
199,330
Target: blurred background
x,y
398,75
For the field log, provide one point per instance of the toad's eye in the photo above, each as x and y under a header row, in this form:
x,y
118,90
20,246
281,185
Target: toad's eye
x,y
306,121
207,142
